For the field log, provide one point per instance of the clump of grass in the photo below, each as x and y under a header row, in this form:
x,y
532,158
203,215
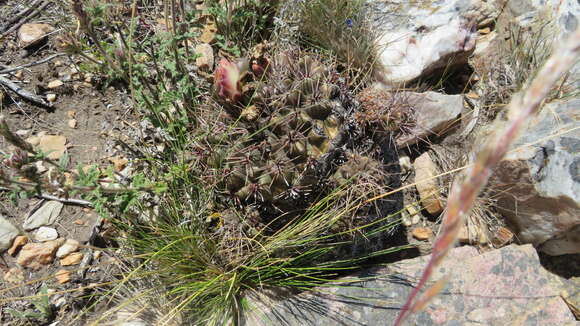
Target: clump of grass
x,y
515,64
342,27
201,245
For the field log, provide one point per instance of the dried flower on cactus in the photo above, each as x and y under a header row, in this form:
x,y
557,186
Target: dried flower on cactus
x,y
228,80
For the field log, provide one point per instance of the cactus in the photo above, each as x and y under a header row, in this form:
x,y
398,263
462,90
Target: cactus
x,y
301,141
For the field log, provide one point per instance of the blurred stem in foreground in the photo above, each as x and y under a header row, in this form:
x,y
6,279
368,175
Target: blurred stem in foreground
x,y
522,107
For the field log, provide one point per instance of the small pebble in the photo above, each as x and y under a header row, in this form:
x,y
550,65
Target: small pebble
x,y
72,259
422,234
18,242
62,276
45,233
51,97
54,84
67,248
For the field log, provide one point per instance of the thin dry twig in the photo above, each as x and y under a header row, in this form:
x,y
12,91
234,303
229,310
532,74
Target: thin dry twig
x,y
463,194
24,93
71,201
35,63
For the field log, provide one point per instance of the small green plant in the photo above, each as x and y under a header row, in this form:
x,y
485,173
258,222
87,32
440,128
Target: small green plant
x,y
43,312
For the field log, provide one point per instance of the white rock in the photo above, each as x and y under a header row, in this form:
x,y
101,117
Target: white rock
x,y
45,233
7,233
68,247
405,163
45,215
22,132
51,97
538,186
416,39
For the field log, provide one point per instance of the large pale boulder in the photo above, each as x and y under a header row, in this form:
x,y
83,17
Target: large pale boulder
x,y
538,182
416,38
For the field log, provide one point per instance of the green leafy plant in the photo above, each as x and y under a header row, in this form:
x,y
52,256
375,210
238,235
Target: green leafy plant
x,y
44,309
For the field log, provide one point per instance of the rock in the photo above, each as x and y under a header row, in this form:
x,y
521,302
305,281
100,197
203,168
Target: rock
x,y
51,97
417,39
72,259
53,146
68,247
33,140
414,214
550,20
472,234
405,163
22,132
538,186
7,233
45,215
14,275
559,15
205,61
208,35
119,162
422,234
34,255
18,242
54,84
480,291
427,185
72,123
30,34
40,168
502,236
62,276
434,114
44,234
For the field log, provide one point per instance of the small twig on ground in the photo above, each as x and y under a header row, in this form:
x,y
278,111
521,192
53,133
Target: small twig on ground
x,y
70,201
35,63
24,93
23,21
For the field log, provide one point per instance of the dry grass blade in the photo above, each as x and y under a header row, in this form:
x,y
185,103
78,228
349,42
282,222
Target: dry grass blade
x,y
463,194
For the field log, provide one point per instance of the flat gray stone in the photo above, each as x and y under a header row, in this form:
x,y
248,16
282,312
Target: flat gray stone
x,y
434,114
45,215
507,286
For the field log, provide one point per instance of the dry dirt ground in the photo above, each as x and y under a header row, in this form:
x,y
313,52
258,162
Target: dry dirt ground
x,y
91,116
